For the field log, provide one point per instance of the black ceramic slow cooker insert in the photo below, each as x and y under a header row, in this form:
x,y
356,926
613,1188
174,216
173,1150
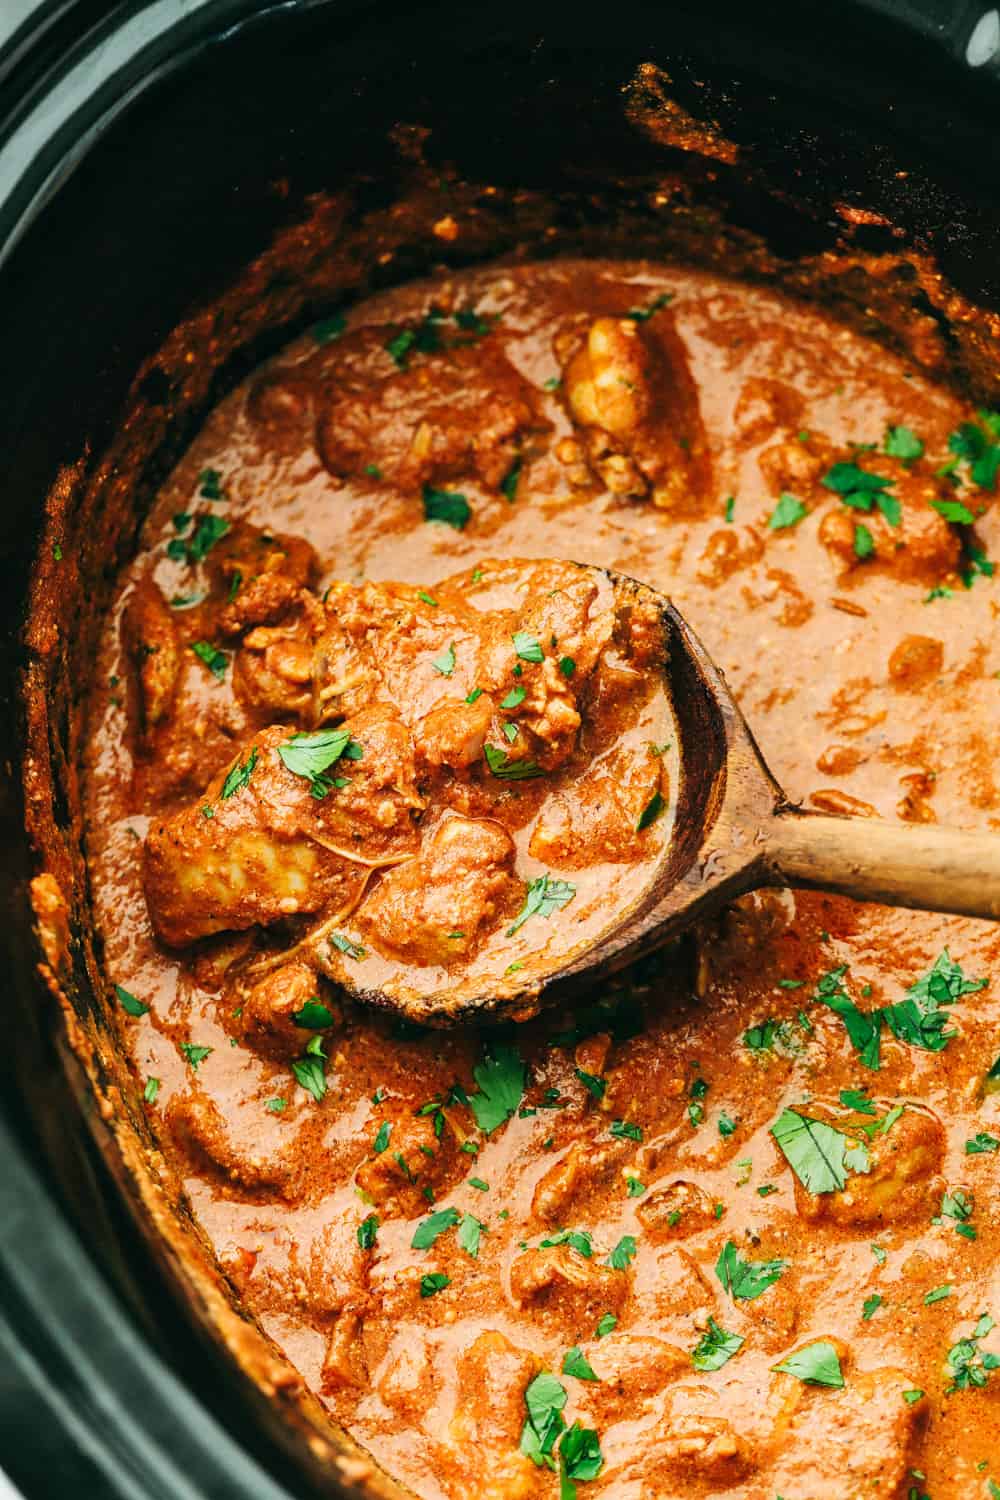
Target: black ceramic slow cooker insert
x,y
150,153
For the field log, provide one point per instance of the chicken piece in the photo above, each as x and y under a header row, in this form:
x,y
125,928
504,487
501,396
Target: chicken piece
x,y
492,1376
213,1142
279,408
260,574
454,732
632,1369
415,1157
598,817
923,547
584,1169
903,1184
151,638
915,661
669,1289
675,1211
259,846
307,668
448,414
559,1285
344,1365
692,1444
439,907
797,467
267,1010
629,387
852,1443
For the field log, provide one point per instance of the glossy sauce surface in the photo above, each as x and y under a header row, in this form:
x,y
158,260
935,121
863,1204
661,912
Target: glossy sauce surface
x,y
642,1125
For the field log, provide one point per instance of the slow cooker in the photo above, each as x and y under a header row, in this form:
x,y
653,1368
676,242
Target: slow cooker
x,y
149,154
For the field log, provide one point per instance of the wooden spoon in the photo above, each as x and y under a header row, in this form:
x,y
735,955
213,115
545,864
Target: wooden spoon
x,y
736,831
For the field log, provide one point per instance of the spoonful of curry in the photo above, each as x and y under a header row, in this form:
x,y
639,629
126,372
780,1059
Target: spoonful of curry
x,y
498,789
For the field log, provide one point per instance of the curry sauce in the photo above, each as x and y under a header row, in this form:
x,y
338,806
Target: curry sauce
x,y
727,1227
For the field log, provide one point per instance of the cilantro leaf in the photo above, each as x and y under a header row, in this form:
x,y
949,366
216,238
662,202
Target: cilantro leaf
x,y
151,1090
506,769
816,1364
344,945
209,530
643,314
381,1140
580,1458
864,542
310,755
606,1324
509,482
982,1144
544,1399
544,896
623,1254
445,663
817,1152
974,446
215,660
954,510
314,1016
579,1240
501,1080
595,1085
527,647
434,1281
576,1363
368,1232
862,490
447,506
429,1229
788,512
625,1130
195,1055
328,329
469,1232
239,776
650,812
746,1280
870,1306
858,1100
902,443
310,1072
715,1348
129,1004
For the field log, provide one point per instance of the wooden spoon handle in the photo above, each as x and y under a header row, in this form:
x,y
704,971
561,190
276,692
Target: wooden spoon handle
x,y
901,864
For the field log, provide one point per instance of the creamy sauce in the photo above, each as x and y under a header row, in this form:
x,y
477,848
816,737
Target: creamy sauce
x,y
869,692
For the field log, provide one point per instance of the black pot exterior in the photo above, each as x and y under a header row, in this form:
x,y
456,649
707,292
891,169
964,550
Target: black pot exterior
x,y
139,200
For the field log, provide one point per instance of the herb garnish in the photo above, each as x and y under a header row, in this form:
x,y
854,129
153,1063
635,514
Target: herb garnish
x,y
501,1080
902,443
788,512
982,1144
715,1348
328,329
210,484
195,1055
129,1004
596,1085
209,530
501,765
544,896
310,1072
576,1363
239,776
820,1155
527,646
314,1016
970,1368
368,1231
445,663
508,485
862,490
625,1130
977,448
650,812
429,1229
643,314
919,1018
579,1240
311,755
346,946
469,1232
434,1281
816,1364
746,1280
447,506
623,1254
606,1324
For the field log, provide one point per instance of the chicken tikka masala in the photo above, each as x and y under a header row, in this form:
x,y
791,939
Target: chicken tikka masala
x,y
728,1226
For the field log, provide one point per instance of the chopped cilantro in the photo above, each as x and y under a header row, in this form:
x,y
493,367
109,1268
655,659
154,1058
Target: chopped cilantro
x,y
479,1184
514,698
788,512
643,314
902,443
210,484
650,812
445,663
576,1363
276,1106
970,1367
864,542
501,1080
579,1240
910,1397
239,776
502,766
746,1280
544,1398
381,1140
195,1055
938,1294
469,1232
730,507
567,666
580,1458
151,1090
635,1187
597,1086
974,446
858,1100
129,1004
368,1231
215,660
863,490
870,1306
311,755
880,1255
625,1130
447,506
606,1324
435,1281
981,1144
509,482
623,1254
328,329
816,1364
527,646
727,1125
429,1229
209,530
715,1348
954,510
344,945
544,896
314,1016
309,1070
